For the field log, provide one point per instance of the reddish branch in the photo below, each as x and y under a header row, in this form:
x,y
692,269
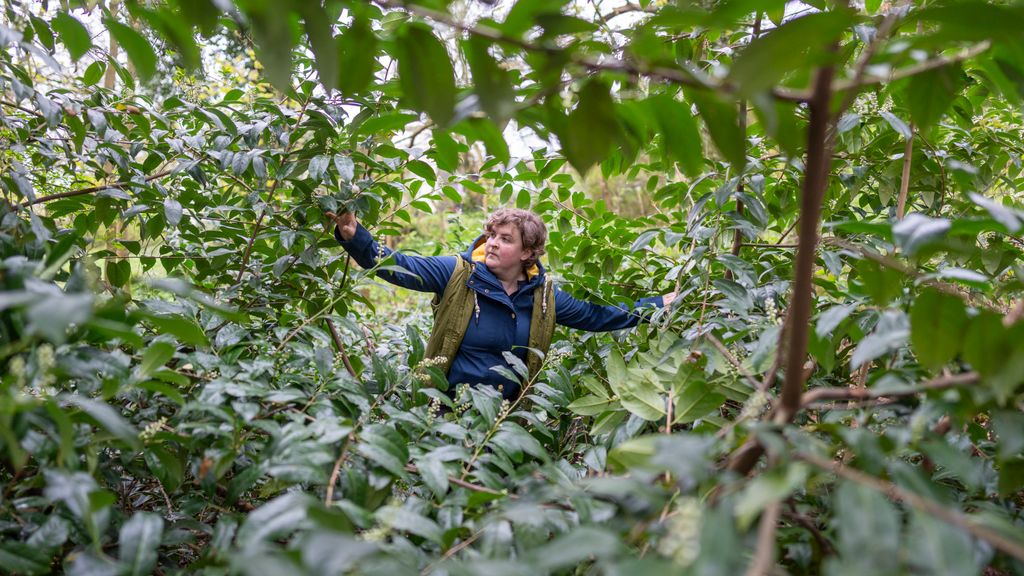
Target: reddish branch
x,y
798,319
843,393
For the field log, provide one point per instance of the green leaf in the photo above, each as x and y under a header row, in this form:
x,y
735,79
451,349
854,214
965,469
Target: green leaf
x,y
177,325
720,116
434,475
119,272
19,558
868,529
135,45
321,40
140,538
931,93
590,128
583,544
357,52
890,334
680,137
387,122
107,417
492,83
797,44
409,521
591,405
938,547
276,518
984,344
773,486
697,400
937,324
93,74
446,153
425,73
172,212
155,357
1009,428
271,25
423,170
512,437
73,34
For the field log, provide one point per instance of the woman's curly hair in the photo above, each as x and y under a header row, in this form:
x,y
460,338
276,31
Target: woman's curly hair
x,y
532,230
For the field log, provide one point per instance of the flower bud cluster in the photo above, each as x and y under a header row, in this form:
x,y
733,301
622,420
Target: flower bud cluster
x,y
754,406
152,428
681,541
421,375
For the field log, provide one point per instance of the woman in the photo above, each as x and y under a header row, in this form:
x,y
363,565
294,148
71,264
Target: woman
x,y
502,277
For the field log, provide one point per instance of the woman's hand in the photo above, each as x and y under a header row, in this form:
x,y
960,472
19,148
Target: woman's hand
x,y
346,223
668,298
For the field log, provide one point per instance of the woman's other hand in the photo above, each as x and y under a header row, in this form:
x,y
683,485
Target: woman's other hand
x,y
346,223
668,298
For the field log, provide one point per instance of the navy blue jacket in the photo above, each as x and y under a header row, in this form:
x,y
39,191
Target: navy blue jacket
x,y
504,320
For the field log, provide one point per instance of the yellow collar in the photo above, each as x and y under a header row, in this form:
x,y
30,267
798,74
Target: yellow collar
x,y
480,253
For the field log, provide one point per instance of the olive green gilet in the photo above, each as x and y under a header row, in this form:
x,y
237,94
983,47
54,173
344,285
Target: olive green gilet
x,y
454,309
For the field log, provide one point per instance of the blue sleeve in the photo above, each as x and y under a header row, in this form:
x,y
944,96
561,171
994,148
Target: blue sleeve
x,y
596,318
429,273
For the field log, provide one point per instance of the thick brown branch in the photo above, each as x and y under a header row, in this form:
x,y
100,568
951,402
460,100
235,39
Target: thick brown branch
x,y
898,494
815,181
91,190
819,156
844,393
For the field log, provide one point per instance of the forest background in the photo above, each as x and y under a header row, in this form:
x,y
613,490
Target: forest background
x,y
195,379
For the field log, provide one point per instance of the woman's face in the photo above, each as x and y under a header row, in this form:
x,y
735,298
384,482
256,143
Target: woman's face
x,y
505,250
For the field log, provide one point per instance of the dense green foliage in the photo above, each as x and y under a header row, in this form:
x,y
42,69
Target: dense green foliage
x,y
195,380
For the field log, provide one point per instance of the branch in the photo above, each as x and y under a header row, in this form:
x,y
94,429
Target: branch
x,y
760,245
764,558
843,393
819,154
90,190
869,80
464,484
908,153
894,264
898,494
732,360
341,348
270,197
815,182
673,75
1013,316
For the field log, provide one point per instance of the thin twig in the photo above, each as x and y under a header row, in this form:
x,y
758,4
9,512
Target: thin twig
x,y
464,484
90,190
764,557
908,153
898,494
732,360
341,348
